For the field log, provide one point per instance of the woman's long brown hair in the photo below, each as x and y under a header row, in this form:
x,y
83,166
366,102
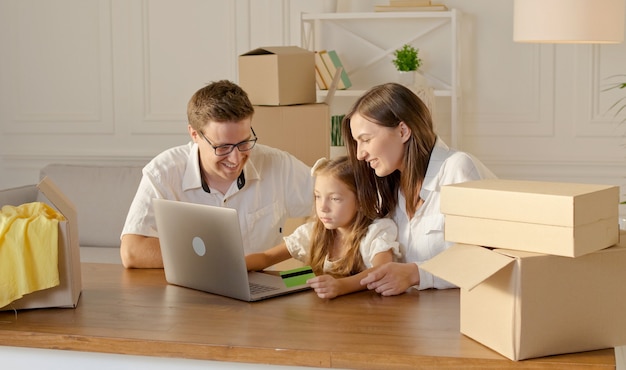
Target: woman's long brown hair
x,y
388,105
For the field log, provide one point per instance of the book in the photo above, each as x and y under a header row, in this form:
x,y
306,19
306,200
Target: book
x,y
325,75
392,8
319,80
345,79
332,69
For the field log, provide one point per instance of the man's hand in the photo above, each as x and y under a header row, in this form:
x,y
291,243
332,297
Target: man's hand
x,y
392,278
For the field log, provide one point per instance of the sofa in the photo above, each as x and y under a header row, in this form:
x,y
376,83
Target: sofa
x,y
102,195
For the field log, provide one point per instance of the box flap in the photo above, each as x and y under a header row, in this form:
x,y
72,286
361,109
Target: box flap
x,y
277,50
71,253
466,265
58,199
333,87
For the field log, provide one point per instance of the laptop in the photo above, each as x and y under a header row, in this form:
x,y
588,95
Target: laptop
x,y
202,249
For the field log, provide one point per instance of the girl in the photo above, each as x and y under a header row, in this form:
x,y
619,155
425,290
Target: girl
x,y
342,243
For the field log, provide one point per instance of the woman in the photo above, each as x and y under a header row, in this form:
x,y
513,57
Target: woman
x,y
400,165
342,243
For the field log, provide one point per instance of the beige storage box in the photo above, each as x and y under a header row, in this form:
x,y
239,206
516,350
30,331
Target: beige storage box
x,y
302,130
564,219
525,305
278,75
67,293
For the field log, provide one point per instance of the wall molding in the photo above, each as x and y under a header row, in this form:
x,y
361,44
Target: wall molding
x,y
41,94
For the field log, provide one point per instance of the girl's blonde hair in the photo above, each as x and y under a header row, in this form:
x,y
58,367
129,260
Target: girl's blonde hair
x,y
322,239
220,101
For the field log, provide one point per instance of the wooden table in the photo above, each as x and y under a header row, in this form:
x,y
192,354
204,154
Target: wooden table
x,y
136,312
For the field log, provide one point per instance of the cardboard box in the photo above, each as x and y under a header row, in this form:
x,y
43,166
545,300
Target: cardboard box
x,y
302,130
278,75
67,293
525,305
545,217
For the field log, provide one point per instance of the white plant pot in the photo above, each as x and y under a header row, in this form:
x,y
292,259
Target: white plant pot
x,y
416,81
406,78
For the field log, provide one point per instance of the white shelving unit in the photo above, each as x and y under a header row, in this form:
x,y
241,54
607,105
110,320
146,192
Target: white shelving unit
x,y
365,43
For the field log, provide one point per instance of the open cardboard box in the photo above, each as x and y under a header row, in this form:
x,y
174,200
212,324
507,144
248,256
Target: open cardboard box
x,y
67,293
564,219
302,130
525,305
278,75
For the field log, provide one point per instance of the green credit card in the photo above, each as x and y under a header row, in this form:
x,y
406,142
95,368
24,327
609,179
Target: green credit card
x,y
297,276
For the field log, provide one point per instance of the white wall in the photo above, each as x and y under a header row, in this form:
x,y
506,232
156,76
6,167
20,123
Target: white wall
x,y
537,111
108,80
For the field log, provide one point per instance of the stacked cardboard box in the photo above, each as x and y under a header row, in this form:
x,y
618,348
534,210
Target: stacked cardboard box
x,y
278,75
280,81
556,218
302,130
539,264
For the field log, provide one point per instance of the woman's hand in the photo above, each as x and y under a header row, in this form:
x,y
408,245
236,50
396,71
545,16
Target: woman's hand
x,y
392,278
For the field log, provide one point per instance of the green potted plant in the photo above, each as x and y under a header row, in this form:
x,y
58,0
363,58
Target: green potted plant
x,y
408,63
407,59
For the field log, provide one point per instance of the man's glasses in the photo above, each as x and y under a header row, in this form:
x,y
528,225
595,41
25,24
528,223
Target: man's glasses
x,y
226,149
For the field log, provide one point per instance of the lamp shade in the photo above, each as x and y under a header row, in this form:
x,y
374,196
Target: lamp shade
x,y
569,21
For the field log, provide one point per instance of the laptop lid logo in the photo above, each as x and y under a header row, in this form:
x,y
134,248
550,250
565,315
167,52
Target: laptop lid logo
x,y
198,246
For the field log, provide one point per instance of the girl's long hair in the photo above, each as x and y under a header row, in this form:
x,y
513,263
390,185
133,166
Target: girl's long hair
x,y
322,239
388,105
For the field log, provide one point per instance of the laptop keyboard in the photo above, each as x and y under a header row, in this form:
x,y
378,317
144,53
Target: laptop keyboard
x,y
259,288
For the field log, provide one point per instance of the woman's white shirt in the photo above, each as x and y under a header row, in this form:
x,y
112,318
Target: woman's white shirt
x,y
422,237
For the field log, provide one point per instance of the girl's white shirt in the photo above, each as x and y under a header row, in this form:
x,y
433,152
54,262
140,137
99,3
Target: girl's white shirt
x,y
381,236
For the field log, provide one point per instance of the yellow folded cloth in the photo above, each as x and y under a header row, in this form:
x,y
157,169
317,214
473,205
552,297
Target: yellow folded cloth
x,y
29,250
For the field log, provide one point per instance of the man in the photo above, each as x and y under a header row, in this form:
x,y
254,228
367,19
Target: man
x,y
221,166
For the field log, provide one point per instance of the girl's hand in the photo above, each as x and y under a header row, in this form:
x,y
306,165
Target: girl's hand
x,y
325,286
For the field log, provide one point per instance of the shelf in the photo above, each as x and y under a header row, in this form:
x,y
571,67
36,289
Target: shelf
x,y
366,42
378,15
357,93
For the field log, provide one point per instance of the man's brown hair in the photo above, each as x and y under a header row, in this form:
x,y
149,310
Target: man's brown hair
x,y
221,101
